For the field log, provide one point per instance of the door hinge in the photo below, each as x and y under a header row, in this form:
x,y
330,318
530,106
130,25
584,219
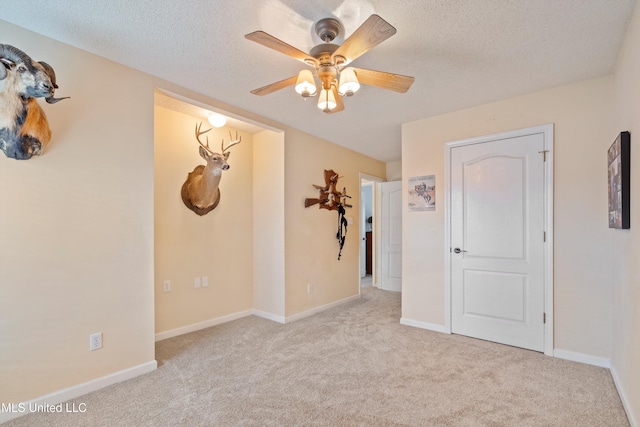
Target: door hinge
x,y
544,317
544,155
544,236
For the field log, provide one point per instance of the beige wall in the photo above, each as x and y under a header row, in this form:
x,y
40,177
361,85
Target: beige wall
x,y
582,114
310,237
394,171
625,244
216,245
268,225
76,245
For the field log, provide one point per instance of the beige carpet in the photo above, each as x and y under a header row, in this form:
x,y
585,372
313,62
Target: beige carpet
x,y
353,365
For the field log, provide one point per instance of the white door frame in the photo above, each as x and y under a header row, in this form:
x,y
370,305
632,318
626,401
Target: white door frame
x,y
363,225
375,226
547,131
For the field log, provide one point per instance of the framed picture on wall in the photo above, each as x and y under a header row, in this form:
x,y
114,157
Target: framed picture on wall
x,y
619,163
422,193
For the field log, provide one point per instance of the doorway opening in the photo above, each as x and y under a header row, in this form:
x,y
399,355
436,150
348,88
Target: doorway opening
x,y
369,230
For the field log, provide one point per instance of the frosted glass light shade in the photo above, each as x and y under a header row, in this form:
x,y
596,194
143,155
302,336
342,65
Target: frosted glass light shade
x,y
217,120
326,100
305,85
348,82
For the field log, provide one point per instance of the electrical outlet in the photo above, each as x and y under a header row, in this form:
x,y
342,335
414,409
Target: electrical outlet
x,y
309,288
205,281
95,341
167,285
196,282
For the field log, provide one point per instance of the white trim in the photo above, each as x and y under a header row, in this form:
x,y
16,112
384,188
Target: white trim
x,y
218,110
202,325
602,362
447,238
362,229
72,392
547,131
319,309
263,314
424,325
269,316
373,178
375,199
623,398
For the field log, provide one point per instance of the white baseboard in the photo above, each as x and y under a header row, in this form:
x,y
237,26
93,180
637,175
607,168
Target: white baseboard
x,y
69,393
66,394
269,316
424,325
623,398
265,315
602,362
319,309
202,325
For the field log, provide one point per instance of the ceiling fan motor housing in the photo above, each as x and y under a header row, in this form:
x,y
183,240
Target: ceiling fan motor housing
x,y
323,52
327,69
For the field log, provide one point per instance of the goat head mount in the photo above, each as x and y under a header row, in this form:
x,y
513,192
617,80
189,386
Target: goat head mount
x,y
200,191
24,130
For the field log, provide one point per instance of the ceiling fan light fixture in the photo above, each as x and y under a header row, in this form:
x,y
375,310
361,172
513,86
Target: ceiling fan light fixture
x,y
305,85
326,100
348,82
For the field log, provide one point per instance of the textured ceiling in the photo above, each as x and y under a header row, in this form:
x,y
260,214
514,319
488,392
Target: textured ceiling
x,y
462,52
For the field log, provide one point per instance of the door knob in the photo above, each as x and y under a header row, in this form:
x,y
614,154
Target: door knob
x,y
458,250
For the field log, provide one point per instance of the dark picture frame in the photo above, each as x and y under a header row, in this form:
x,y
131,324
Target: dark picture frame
x,y
619,165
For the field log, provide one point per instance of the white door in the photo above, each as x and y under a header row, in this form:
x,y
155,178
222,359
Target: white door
x,y
391,236
363,240
497,240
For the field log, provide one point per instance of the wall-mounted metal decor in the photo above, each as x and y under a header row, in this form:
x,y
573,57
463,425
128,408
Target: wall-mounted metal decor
x,y
24,130
619,162
330,198
200,191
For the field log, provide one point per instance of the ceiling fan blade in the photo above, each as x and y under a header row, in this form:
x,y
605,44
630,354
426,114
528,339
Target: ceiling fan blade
x,y
271,42
339,103
372,32
396,82
266,90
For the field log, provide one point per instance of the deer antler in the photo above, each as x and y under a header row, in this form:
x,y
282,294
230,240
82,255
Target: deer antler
x,y
233,142
198,133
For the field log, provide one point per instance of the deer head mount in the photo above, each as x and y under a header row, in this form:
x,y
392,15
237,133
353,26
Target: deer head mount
x,y
200,191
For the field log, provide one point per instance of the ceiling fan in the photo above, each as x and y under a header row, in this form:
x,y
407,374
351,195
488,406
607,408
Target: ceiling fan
x,y
329,62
